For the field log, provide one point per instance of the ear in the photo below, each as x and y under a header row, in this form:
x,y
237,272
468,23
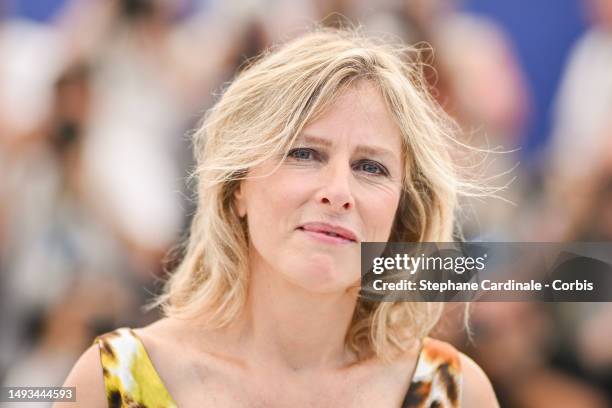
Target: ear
x,y
239,200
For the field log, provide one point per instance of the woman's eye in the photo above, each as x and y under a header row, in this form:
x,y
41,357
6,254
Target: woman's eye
x,y
302,154
373,168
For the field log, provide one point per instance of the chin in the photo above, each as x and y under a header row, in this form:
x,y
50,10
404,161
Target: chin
x,y
321,275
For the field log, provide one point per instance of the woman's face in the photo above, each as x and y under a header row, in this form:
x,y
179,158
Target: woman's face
x,y
339,186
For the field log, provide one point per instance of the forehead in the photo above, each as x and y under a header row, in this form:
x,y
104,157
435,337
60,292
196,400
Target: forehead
x,y
358,116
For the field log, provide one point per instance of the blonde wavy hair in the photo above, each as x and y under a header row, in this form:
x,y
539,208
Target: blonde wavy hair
x,y
258,117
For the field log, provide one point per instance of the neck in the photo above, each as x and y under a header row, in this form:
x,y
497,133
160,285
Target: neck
x,y
292,328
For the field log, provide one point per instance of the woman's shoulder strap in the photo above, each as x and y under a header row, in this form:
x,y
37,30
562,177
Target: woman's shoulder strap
x,y
130,379
437,377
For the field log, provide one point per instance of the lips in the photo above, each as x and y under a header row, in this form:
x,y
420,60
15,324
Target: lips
x,y
333,231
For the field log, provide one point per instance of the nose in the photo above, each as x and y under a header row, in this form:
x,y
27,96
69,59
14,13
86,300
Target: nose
x,y
336,193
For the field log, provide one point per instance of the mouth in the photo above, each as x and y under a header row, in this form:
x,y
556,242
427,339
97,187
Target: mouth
x,y
329,233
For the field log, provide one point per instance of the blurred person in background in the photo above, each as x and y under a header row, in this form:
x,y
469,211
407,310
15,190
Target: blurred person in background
x,y
58,219
536,340
584,348
583,121
133,147
31,58
578,181
474,70
67,240
65,328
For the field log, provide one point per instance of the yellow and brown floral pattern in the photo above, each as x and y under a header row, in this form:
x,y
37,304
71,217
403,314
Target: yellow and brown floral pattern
x,y
129,376
437,377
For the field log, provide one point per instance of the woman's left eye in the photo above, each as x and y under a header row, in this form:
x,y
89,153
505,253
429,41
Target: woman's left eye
x,y
373,168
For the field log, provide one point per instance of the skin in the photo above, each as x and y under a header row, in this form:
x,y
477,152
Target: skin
x,y
342,171
287,347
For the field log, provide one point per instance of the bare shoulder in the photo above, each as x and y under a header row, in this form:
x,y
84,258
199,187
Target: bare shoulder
x,y
159,328
477,389
164,334
170,333
86,376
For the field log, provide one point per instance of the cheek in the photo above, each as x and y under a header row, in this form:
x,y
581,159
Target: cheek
x,y
272,208
378,211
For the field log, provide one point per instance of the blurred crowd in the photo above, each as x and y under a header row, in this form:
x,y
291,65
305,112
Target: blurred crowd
x,y
96,106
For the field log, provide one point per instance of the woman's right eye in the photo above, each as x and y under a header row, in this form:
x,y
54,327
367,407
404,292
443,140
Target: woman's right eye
x,y
302,154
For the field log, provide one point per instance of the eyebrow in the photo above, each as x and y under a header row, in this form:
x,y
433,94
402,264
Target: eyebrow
x,y
362,149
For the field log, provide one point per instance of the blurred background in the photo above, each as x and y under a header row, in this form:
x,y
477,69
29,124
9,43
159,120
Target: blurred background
x,y
97,98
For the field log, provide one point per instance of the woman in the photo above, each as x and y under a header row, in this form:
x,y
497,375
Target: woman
x,y
329,141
